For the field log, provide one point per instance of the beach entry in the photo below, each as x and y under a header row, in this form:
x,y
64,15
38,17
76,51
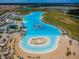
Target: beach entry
x,y
39,37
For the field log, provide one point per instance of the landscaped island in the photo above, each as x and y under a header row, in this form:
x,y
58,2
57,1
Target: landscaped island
x,y
39,41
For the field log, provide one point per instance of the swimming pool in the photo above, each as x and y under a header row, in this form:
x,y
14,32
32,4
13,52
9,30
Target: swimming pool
x,y
36,28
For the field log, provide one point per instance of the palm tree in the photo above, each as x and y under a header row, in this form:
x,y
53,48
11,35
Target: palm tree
x,y
68,48
68,53
74,53
70,42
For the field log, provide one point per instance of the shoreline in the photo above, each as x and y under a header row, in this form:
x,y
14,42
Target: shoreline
x,y
60,50
57,38
44,52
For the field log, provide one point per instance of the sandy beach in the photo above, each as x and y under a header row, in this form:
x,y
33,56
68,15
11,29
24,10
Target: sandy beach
x,y
59,53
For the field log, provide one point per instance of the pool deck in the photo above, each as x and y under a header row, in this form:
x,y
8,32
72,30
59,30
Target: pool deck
x,y
59,53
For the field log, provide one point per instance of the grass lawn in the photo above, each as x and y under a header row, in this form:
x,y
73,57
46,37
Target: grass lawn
x,y
68,23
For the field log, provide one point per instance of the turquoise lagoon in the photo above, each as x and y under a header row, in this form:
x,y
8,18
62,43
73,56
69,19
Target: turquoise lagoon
x,y
35,27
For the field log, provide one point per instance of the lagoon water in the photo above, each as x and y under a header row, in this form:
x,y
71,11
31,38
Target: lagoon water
x,y
37,28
